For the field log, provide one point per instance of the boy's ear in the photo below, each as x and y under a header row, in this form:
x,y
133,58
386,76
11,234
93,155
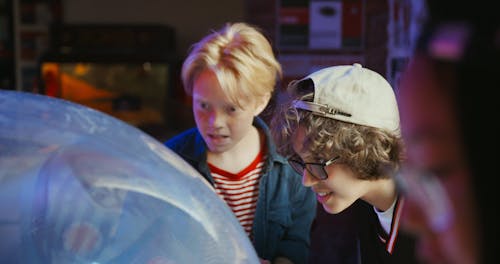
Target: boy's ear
x,y
262,103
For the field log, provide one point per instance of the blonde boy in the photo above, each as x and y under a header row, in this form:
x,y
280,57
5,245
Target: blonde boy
x,y
231,74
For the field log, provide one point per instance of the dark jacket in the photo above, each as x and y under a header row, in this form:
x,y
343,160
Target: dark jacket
x,y
353,236
372,249
285,209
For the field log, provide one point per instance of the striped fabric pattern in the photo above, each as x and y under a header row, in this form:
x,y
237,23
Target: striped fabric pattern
x,y
240,191
390,239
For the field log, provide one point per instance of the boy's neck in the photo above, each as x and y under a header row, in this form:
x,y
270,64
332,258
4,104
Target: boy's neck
x,y
240,156
382,195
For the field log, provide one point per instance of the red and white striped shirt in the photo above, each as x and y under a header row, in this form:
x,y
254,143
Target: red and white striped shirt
x,y
241,190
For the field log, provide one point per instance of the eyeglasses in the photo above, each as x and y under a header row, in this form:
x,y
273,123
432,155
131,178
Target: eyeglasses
x,y
316,169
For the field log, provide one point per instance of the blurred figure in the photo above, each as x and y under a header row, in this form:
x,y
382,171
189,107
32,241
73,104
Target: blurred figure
x,y
434,148
445,106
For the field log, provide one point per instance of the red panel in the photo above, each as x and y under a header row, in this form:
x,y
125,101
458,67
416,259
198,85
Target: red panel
x,y
352,19
294,16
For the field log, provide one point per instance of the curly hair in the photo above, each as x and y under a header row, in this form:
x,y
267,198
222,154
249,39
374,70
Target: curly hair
x,y
371,153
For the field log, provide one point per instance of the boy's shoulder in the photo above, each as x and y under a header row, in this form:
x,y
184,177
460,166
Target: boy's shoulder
x,y
188,144
183,138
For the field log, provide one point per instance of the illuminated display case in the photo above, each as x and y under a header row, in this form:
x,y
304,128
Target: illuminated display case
x,y
136,93
131,72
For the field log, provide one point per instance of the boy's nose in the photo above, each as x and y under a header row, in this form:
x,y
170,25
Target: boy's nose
x,y
217,119
307,179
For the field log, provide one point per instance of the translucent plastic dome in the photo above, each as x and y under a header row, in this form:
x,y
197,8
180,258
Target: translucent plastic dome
x,y
79,186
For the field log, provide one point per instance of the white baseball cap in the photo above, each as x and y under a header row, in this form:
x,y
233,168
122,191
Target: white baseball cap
x,y
353,94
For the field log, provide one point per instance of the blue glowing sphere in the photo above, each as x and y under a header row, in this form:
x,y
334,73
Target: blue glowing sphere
x,y
79,186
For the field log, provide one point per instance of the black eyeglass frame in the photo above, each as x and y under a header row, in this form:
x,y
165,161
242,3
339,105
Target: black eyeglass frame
x,y
300,166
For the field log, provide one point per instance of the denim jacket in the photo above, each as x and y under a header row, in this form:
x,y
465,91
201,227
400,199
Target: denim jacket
x,y
285,209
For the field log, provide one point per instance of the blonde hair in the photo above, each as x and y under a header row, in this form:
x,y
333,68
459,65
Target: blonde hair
x,y
241,58
372,153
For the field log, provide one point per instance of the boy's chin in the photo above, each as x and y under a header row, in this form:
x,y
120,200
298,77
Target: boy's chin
x,y
333,210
